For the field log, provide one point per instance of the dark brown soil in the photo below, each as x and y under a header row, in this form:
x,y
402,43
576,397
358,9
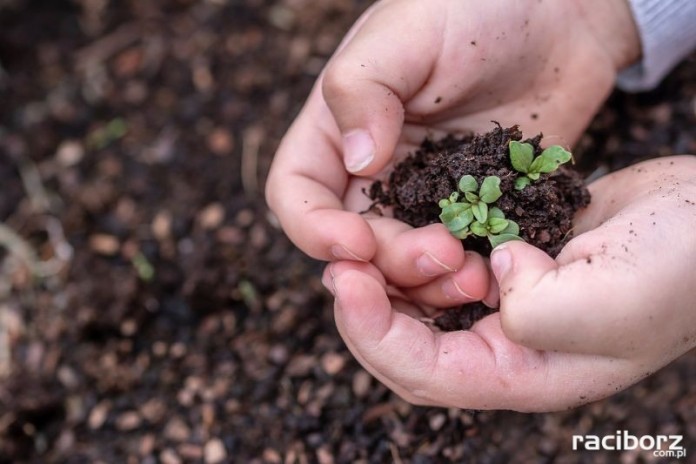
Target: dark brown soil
x,y
544,210
228,352
462,318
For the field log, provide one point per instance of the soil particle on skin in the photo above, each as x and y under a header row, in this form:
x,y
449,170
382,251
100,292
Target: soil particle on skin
x,y
544,210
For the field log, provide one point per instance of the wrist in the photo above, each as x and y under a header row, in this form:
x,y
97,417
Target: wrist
x,y
611,22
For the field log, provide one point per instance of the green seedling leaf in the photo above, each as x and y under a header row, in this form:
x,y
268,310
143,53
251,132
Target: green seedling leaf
x,y
522,182
480,211
479,229
512,228
510,232
462,234
457,216
468,184
521,155
550,159
533,175
453,210
558,153
460,221
490,189
454,196
471,197
496,240
495,212
497,225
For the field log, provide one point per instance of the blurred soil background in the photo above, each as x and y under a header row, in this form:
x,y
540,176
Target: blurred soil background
x,y
151,311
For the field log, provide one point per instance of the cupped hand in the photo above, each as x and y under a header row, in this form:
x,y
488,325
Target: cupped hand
x,y
410,68
617,304
625,287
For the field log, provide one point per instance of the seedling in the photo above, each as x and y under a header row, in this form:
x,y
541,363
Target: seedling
x,y
102,137
522,159
496,228
457,216
143,267
474,216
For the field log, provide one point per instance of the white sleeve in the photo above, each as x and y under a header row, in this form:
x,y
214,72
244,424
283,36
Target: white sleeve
x,y
667,31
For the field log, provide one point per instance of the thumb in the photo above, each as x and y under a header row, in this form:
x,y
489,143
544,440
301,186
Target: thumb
x,y
562,306
368,81
519,268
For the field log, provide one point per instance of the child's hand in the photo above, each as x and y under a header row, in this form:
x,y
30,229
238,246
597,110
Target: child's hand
x,y
625,287
410,68
618,304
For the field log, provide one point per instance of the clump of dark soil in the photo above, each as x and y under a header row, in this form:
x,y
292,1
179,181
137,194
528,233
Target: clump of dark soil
x,y
544,210
463,317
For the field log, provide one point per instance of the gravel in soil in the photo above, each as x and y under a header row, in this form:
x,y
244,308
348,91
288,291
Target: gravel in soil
x,y
163,316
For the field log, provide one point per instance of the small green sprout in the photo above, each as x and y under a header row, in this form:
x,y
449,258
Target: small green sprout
x,y
475,206
522,159
114,130
143,267
473,216
496,228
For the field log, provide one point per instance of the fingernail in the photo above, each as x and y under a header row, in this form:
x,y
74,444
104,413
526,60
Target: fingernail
x,y
336,294
501,262
454,291
342,253
358,150
428,265
328,279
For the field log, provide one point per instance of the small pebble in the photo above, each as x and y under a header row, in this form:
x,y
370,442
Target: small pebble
x,y
98,415
104,244
220,142
176,430
212,216
70,152
332,363
437,421
127,421
169,456
214,451
362,381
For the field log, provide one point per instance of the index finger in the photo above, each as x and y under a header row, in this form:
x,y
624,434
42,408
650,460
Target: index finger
x,y
305,188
